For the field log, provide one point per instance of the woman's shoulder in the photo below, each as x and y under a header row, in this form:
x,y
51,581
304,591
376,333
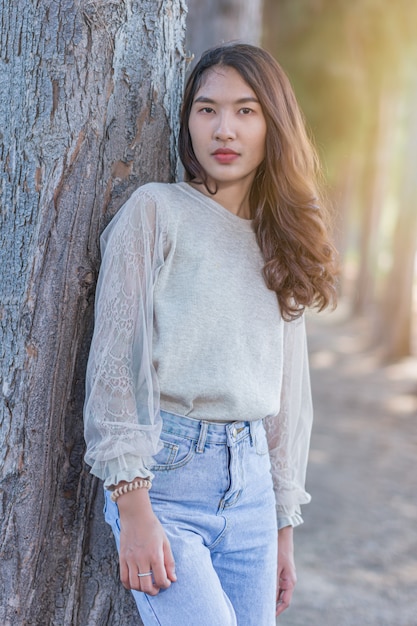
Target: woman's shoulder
x,y
151,199
159,192
152,207
157,199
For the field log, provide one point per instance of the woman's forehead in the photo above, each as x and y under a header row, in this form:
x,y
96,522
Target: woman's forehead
x,y
224,81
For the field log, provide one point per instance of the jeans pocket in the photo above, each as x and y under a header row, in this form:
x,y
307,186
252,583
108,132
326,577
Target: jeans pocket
x,y
176,452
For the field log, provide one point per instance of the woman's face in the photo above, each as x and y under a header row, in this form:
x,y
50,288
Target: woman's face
x,y
227,128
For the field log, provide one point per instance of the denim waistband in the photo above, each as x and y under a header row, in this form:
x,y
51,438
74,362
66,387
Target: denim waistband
x,y
203,431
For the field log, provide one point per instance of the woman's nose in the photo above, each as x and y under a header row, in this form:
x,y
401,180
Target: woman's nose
x,y
224,129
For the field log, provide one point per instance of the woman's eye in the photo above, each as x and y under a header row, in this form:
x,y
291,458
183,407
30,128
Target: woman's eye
x,y
207,110
245,111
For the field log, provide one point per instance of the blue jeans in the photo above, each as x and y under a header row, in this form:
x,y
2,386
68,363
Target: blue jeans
x,y
213,494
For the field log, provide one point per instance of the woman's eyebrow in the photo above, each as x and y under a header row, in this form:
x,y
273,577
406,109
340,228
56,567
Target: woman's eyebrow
x,y
244,100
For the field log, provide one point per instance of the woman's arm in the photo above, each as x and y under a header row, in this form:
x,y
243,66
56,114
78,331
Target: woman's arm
x,y
121,411
144,546
288,436
122,420
288,433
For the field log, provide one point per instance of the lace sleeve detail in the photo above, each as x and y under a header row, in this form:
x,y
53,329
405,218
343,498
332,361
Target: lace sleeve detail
x,y
289,432
121,411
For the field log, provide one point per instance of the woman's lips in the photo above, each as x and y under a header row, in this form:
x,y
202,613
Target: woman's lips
x,y
225,155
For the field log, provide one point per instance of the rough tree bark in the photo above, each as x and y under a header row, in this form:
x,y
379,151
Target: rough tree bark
x,y
89,97
212,23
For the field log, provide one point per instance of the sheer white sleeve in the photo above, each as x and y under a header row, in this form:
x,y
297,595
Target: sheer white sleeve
x,y
121,411
289,432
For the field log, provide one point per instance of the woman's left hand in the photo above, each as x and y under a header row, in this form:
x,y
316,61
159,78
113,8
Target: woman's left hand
x,y
286,569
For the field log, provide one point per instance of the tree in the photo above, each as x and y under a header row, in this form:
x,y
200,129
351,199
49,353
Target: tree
x,y
89,100
218,21
396,306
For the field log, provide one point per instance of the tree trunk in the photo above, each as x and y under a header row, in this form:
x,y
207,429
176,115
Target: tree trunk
x,y
396,316
218,21
396,310
89,98
375,184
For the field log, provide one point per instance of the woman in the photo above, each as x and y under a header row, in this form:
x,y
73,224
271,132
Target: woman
x,y
198,365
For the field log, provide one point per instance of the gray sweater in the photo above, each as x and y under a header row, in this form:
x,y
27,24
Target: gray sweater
x,y
185,322
218,332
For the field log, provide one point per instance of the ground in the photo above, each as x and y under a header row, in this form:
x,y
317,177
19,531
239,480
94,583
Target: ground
x,y
356,553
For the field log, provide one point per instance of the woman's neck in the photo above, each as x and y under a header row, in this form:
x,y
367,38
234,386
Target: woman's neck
x,y
232,196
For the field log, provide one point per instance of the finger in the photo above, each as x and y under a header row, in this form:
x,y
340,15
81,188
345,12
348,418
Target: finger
x,y
160,576
146,582
284,600
124,573
169,561
136,582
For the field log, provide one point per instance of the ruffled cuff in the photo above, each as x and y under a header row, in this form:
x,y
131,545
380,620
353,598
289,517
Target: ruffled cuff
x,y
126,467
288,516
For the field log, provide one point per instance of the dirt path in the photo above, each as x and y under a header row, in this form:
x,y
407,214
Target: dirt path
x,y
357,551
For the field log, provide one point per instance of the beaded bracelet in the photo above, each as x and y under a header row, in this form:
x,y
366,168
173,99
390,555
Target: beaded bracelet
x,y
143,483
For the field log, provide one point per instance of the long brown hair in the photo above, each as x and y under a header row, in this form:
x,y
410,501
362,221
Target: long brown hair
x,y
289,217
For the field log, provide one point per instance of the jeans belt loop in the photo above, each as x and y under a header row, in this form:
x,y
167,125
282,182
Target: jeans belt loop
x,y
252,435
202,437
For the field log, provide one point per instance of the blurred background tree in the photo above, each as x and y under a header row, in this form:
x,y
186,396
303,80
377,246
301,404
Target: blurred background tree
x,y
211,23
353,68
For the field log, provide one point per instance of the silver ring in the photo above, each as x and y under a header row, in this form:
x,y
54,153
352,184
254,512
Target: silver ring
x,y
145,574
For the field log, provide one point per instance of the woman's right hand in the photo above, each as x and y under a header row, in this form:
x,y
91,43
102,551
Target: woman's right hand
x,y
144,546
